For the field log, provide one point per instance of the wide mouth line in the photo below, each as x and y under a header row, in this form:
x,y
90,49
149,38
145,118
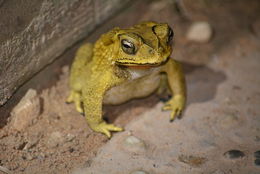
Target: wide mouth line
x,y
141,64
126,63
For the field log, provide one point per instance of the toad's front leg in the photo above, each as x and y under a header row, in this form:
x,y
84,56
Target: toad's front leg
x,y
177,85
92,96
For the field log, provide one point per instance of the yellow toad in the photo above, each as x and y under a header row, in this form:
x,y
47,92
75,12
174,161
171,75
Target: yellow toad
x,y
125,64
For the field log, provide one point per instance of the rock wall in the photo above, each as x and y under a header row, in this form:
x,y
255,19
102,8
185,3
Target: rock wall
x,y
35,32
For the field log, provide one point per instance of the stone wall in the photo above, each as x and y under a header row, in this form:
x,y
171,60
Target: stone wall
x,y
35,32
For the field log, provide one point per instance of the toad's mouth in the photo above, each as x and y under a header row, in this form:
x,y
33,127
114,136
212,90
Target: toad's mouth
x,y
133,64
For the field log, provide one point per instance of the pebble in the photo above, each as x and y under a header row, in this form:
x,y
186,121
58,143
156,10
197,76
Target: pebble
x,y
55,139
70,137
5,170
234,154
194,161
229,121
26,111
41,156
200,32
133,143
29,157
88,163
257,154
257,162
32,141
139,172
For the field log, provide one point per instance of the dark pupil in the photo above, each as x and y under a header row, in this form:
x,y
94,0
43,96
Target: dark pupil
x,y
128,47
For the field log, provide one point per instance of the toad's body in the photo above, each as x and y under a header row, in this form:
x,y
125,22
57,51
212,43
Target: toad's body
x,y
122,65
148,81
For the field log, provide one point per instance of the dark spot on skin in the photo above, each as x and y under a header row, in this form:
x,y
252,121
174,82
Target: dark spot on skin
x,y
234,154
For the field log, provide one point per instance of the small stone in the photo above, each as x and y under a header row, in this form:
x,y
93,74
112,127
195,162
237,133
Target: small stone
x,y
71,149
55,139
5,170
257,138
133,140
88,163
27,110
20,145
32,141
29,157
193,161
229,121
199,32
133,143
41,156
70,137
139,172
257,162
234,154
257,154
65,69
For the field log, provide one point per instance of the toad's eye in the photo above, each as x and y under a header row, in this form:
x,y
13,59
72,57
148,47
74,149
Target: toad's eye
x,y
170,35
128,47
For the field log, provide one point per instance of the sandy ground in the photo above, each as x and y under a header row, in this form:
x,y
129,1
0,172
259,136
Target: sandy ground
x,y
218,134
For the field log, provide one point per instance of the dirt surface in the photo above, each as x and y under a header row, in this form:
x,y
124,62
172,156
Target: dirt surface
x,y
218,134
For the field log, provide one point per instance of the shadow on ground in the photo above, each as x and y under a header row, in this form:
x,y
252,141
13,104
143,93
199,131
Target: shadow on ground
x,y
202,83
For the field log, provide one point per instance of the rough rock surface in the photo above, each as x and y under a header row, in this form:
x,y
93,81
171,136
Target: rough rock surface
x,y
34,33
26,111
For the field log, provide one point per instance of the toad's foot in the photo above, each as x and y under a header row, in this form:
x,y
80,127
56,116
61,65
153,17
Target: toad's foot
x,y
105,128
176,105
75,97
